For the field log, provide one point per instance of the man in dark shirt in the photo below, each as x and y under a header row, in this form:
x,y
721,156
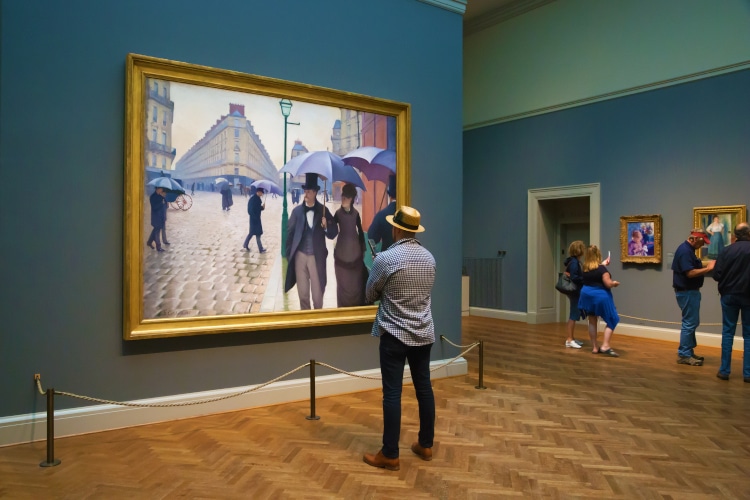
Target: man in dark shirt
x,y
732,271
687,279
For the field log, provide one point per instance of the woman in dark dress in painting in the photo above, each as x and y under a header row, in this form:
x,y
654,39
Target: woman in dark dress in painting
x,y
348,256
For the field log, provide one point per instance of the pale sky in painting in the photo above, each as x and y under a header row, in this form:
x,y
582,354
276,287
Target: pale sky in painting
x,y
197,108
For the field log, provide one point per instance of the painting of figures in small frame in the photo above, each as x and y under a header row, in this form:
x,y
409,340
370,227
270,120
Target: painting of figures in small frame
x,y
640,239
719,223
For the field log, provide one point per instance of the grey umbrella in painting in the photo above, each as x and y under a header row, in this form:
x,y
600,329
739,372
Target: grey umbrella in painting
x,y
167,183
268,186
327,165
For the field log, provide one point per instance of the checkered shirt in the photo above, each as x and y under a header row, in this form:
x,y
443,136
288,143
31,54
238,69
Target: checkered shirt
x,y
402,278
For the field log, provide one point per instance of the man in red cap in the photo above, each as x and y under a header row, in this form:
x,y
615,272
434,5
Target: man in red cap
x,y
687,280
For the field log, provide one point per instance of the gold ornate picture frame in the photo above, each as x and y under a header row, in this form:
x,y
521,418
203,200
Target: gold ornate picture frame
x,y
719,222
205,282
640,239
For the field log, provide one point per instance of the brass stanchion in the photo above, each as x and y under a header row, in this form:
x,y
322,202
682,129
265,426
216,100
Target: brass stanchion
x,y
481,366
50,462
312,392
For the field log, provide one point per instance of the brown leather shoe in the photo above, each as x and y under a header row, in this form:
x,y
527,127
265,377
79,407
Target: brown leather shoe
x,y
423,453
381,461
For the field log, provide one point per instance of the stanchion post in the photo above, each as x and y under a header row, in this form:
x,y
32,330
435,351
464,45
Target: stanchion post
x,y
481,366
312,392
50,462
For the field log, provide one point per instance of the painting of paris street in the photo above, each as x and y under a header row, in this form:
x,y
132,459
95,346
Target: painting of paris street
x,y
206,150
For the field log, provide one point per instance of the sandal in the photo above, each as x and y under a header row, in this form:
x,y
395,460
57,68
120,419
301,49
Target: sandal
x,y
609,352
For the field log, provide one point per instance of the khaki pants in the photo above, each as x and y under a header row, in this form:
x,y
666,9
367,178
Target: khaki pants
x,y
308,281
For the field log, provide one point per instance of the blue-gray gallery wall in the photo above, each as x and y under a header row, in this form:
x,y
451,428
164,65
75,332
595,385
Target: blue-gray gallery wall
x,y
62,81
662,152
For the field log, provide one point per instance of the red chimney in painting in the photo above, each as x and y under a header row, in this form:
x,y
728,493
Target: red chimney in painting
x,y
240,108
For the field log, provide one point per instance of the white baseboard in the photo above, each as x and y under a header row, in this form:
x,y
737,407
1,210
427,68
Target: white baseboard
x,y
673,335
647,332
498,314
33,426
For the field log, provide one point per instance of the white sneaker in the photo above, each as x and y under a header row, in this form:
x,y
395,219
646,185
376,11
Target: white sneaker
x,y
577,341
573,344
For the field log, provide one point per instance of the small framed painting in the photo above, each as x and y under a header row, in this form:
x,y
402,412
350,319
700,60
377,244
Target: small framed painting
x,y
640,239
719,223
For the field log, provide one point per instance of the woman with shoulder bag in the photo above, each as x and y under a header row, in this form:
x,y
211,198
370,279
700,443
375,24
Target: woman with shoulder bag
x,y
573,270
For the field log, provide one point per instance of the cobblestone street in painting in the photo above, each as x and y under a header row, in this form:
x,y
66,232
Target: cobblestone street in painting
x,y
206,272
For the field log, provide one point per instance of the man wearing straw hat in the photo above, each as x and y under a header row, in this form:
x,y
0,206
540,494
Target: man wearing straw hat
x,y
401,278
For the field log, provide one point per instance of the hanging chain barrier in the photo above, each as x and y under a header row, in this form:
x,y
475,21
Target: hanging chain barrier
x,y
668,322
169,405
50,394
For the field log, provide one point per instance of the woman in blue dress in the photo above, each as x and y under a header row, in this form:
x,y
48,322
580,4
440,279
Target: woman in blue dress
x,y
716,230
596,299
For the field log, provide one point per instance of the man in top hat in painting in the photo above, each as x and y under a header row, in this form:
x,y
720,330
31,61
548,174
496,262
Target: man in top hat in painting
x,y
379,229
309,225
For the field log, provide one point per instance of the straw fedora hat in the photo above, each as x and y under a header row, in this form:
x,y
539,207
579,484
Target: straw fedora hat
x,y
406,218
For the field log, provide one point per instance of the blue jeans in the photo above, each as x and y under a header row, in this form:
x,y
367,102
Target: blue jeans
x,y
690,304
731,307
393,354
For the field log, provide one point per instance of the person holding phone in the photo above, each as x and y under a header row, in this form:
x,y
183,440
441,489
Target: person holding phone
x,y
596,299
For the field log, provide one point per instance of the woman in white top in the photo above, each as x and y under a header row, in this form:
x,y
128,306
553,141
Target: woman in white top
x,y
716,230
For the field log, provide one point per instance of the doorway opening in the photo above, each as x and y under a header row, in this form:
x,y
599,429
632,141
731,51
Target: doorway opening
x,y
557,216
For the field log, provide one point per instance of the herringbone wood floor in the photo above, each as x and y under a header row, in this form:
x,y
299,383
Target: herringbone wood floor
x,y
552,423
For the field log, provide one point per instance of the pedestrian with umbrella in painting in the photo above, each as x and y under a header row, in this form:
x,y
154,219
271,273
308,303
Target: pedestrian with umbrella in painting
x,y
377,165
159,210
254,207
166,189
380,230
225,188
310,223
348,256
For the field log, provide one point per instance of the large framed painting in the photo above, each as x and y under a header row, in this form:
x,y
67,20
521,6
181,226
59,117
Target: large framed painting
x,y
205,250
719,223
640,239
